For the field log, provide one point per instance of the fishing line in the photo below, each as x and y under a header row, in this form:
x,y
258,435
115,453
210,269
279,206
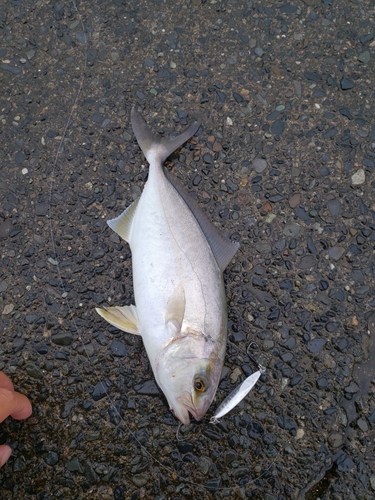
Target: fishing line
x,y
173,474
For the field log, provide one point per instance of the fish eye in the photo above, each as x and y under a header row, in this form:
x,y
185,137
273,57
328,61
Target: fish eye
x,y
200,384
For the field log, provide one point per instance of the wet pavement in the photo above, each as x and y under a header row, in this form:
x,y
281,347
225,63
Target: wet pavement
x,y
284,163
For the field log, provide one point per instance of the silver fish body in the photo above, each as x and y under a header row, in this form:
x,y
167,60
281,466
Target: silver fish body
x,y
178,259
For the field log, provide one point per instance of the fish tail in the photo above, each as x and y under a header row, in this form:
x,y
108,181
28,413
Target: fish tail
x,y
154,148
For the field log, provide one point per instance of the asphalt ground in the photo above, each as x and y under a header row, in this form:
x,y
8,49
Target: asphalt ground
x,y
284,163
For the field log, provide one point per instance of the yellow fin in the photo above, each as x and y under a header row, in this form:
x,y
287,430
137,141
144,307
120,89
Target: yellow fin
x,y
124,318
123,223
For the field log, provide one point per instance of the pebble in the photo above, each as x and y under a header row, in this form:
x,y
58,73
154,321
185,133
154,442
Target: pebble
x,y
344,463
278,127
91,475
149,387
352,388
8,308
63,338
307,262
236,373
74,465
292,229
316,345
336,252
101,389
334,207
34,371
336,439
118,348
297,88
259,165
140,479
362,424
295,200
346,84
364,57
255,430
358,177
287,423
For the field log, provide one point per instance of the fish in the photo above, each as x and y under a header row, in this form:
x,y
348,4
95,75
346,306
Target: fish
x,y
178,259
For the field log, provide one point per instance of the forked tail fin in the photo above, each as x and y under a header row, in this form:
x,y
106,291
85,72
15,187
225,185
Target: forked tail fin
x,y
154,148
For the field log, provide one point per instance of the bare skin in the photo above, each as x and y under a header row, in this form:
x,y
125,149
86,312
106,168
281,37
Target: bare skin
x,y
12,404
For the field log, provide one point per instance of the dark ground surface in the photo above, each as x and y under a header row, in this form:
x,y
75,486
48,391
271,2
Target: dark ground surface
x,y
284,162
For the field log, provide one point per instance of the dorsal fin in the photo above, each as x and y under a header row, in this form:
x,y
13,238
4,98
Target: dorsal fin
x,y
123,223
155,148
222,247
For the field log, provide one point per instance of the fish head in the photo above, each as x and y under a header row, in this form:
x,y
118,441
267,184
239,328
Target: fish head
x,y
189,378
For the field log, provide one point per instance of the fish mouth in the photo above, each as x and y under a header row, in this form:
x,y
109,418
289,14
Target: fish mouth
x,y
187,405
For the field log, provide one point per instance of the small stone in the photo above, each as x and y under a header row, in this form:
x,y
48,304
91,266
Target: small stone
x,y
8,309
358,177
316,345
364,57
236,373
334,207
278,127
336,253
3,286
149,388
267,207
101,390
297,88
372,482
63,338
140,479
51,458
352,388
73,465
362,424
118,348
287,423
300,433
90,473
344,463
255,430
292,229
307,262
34,371
259,165
67,408
336,439
20,157
295,200
346,84
259,51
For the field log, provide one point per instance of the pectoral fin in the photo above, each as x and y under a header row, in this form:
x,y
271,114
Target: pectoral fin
x,y
175,310
123,223
123,318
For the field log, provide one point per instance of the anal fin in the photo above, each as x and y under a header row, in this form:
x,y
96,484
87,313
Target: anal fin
x,y
123,223
124,318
